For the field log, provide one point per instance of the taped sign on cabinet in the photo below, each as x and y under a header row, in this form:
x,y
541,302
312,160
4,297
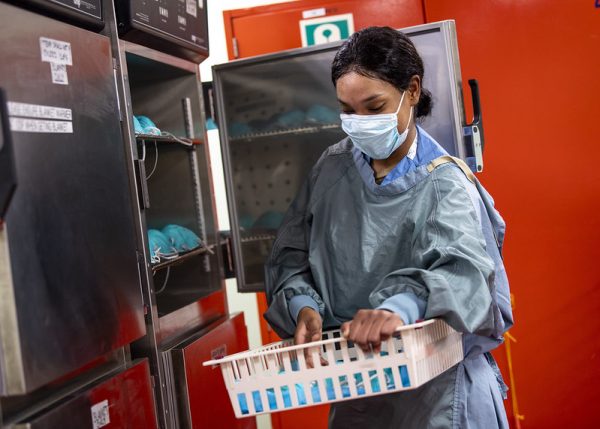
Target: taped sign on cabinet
x,y
58,54
55,51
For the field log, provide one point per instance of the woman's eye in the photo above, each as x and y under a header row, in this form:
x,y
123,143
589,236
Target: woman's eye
x,y
375,109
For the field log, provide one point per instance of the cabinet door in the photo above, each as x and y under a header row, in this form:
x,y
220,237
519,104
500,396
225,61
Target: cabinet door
x,y
202,397
280,29
123,401
69,280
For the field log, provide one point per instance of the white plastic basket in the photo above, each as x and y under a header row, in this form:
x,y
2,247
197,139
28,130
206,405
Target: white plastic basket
x,y
276,378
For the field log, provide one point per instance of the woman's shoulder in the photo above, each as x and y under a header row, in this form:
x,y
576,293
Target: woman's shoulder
x,y
334,154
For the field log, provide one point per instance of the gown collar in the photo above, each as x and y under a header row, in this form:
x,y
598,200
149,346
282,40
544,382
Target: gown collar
x,y
407,173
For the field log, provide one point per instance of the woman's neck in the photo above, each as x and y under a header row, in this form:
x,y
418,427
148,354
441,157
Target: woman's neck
x,y
383,166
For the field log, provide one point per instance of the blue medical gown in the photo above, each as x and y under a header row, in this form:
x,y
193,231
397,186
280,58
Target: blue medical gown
x,y
432,236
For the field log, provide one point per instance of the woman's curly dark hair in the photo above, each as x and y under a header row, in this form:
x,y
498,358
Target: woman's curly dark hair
x,y
386,54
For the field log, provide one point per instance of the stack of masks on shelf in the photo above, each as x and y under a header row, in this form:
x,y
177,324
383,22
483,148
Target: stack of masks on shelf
x,y
170,242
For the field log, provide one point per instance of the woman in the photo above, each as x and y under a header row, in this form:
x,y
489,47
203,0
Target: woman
x,y
386,232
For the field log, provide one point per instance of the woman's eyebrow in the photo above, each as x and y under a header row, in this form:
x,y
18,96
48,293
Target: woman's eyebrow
x,y
366,100
371,98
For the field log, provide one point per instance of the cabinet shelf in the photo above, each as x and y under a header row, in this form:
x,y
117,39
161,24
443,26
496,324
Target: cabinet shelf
x,y
255,238
182,258
164,139
289,131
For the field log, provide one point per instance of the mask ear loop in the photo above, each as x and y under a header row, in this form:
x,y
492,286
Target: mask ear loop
x,y
164,285
184,141
400,105
155,161
143,151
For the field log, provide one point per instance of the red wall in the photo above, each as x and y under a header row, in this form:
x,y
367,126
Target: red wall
x,y
538,64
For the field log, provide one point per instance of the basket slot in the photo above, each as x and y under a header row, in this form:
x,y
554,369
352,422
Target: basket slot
x,y
390,381
316,356
257,401
391,346
374,381
317,393
236,370
264,364
344,349
301,361
287,365
300,393
272,363
255,365
332,392
243,404
346,387
244,370
271,399
359,382
360,355
289,397
403,373
330,353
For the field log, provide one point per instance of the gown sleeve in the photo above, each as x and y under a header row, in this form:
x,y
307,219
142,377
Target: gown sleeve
x,y
450,269
287,270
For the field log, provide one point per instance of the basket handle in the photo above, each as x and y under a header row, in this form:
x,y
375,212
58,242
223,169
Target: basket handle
x,y
252,353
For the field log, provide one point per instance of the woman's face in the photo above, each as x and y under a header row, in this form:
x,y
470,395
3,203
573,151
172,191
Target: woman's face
x,y
364,95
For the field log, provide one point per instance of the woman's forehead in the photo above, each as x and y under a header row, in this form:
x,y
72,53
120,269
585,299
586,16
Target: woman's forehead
x,y
354,87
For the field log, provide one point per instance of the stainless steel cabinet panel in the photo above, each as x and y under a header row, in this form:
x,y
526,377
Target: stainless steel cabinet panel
x,y
69,277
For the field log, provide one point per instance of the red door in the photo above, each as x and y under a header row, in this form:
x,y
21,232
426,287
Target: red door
x,y
537,62
266,29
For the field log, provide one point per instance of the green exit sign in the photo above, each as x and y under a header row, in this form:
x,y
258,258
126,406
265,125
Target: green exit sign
x,y
326,29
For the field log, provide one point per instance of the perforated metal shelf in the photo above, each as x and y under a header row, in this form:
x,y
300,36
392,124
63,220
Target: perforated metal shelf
x,y
300,130
163,139
254,238
183,258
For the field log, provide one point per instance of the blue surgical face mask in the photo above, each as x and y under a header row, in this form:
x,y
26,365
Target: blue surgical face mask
x,y
160,246
376,135
182,239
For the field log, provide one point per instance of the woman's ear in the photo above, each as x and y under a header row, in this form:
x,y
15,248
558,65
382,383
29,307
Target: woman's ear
x,y
414,89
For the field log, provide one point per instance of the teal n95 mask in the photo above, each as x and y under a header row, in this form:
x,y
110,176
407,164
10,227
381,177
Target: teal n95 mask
x,y
376,135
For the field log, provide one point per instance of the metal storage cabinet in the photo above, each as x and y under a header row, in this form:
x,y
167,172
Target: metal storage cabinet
x,y
278,112
69,276
185,294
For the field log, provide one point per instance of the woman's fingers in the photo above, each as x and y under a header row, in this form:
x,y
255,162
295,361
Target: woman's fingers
x,y
370,327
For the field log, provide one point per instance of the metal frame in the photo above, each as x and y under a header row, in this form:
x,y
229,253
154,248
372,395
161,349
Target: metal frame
x,y
225,139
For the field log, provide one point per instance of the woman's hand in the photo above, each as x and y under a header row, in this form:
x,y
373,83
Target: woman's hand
x,y
370,327
309,327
